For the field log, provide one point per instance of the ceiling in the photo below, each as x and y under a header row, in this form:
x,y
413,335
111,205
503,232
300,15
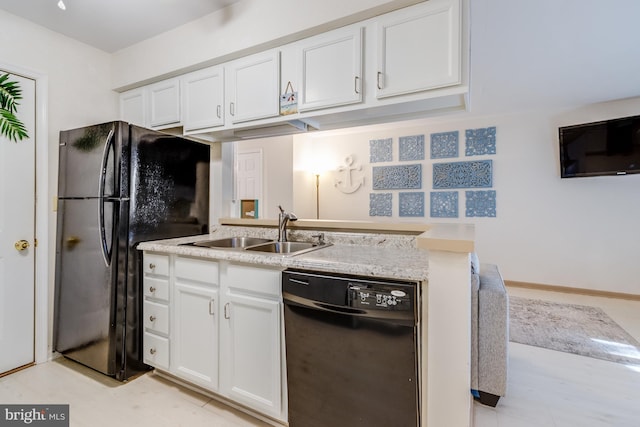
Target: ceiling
x,y
111,25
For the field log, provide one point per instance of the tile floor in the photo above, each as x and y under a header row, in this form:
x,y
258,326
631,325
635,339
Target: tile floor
x,y
546,388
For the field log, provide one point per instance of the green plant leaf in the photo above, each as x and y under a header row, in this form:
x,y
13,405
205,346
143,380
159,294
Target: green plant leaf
x,y
10,126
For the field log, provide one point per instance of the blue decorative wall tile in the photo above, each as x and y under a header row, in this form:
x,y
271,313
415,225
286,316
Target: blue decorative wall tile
x,y
444,204
397,177
475,174
481,203
480,141
380,204
411,148
380,150
444,145
411,204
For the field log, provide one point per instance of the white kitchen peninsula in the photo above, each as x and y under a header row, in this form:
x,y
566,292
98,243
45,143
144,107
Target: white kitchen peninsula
x,y
436,255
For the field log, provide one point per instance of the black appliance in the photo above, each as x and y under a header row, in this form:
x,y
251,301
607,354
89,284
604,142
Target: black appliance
x,y
351,351
610,147
118,185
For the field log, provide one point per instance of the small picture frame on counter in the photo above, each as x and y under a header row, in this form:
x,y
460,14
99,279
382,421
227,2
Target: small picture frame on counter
x,y
249,208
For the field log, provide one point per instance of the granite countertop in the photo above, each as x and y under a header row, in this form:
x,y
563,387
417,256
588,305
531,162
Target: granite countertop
x,y
367,254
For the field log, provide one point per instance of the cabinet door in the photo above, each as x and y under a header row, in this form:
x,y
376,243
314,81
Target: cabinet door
x,y
331,69
419,48
164,103
252,364
254,84
194,340
133,105
203,99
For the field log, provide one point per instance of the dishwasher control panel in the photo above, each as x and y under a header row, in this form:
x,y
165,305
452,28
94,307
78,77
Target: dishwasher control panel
x,y
377,297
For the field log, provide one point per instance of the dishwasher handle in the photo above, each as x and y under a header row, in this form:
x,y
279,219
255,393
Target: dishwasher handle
x,y
404,318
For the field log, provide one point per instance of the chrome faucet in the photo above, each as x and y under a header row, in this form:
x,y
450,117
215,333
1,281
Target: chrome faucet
x,y
283,219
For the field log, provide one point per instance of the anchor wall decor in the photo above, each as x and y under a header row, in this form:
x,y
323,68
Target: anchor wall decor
x,y
346,182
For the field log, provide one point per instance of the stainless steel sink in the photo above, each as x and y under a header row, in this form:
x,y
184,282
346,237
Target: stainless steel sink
x,y
232,242
287,248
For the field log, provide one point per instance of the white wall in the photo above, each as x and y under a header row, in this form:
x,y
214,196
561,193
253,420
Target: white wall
x,y
78,91
579,232
244,27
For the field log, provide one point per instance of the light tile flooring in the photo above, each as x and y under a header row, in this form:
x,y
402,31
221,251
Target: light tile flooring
x,y
546,388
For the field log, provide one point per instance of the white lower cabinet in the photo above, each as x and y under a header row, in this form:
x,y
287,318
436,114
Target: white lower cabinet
x,y
220,328
195,320
251,356
155,320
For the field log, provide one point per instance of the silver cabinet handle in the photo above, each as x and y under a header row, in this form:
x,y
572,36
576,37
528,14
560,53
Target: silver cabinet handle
x,y
152,351
379,80
211,306
355,84
152,318
218,110
152,266
152,289
232,108
226,312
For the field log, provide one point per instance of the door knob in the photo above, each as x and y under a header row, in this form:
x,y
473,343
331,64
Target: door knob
x,y
72,241
21,245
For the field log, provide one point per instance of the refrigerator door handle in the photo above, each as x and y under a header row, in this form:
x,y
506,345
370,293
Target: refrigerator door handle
x,y
106,251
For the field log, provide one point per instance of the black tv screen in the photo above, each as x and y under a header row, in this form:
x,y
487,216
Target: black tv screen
x,y
610,147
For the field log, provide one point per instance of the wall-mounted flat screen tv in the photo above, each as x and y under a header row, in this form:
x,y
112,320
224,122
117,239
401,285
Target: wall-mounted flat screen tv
x,y
610,147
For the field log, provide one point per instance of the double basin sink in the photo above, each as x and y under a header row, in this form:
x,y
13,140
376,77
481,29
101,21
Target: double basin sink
x,y
256,244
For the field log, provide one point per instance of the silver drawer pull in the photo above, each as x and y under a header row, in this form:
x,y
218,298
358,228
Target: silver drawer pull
x,y
152,266
152,351
152,289
152,318
226,312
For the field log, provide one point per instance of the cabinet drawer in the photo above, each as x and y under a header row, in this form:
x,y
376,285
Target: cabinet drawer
x,y
255,279
155,264
156,351
156,288
197,269
156,317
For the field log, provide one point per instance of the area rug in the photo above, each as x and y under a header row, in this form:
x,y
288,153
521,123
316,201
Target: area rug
x,y
571,328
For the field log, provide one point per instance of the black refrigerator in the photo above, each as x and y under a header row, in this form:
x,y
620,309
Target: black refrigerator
x,y
118,185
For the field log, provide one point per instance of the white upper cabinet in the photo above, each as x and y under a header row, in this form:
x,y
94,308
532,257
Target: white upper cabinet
x,y
253,87
133,106
203,99
164,103
419,48
331,69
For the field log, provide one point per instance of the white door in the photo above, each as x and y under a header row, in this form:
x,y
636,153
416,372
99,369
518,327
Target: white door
x,y
195,336
17,224
252,365
254,87
203,99
133,106
331,69
249,175
419,48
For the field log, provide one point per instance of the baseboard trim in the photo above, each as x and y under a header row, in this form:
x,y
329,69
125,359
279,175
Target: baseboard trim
x,y
19,368
570,290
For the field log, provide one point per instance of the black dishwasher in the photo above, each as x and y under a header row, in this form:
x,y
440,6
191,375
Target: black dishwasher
x,y
351,350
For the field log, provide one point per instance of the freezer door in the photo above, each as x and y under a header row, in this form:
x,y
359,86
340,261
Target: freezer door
x,y
86,310
91,161
169,186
